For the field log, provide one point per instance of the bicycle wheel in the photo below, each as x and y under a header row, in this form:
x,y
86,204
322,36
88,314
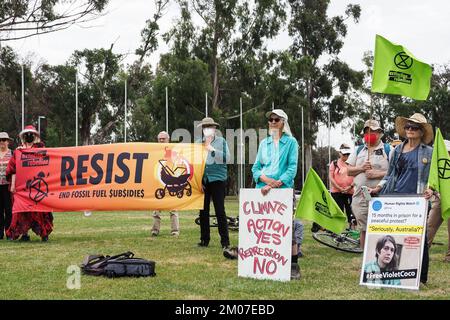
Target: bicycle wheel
x,y
338,241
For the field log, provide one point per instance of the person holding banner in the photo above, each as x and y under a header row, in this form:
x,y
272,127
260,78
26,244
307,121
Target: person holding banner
x,y
276,165
214,183
368,164
5,195
435,216
409,166
40,222
163,137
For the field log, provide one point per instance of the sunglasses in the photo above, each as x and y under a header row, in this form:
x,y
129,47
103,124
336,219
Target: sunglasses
x,y
3,140
274,119
412,127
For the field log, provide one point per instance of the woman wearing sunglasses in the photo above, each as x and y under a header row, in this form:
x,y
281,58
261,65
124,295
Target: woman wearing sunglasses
x,y
276,165
5,195
409,166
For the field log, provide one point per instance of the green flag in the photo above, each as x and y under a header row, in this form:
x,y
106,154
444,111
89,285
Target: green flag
x,y
439,178
397,71
316,204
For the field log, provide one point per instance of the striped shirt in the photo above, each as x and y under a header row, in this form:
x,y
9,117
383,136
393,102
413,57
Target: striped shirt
x,y
3,165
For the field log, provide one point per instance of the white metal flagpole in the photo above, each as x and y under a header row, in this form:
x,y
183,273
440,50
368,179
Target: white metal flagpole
x,y
23,99
303,151
329,144
167,110
241,147
206,104
76,108
125,118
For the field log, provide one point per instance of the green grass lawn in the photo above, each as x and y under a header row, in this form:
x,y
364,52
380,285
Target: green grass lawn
x,y
36,270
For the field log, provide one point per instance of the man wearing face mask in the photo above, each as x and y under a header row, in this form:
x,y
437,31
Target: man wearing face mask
x,y
368,164
214,183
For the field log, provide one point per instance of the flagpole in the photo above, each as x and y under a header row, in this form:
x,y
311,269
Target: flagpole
x,y
125,118
76,107
23,98
206,104
303,151
241,145
167,110
329,144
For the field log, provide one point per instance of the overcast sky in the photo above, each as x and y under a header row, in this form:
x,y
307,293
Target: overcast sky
x,y
421,26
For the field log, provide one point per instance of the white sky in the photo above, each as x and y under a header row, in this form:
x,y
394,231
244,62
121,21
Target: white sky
x,y
421,26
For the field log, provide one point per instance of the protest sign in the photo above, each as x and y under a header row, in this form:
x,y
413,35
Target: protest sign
x,y
265,234
394,242
132,176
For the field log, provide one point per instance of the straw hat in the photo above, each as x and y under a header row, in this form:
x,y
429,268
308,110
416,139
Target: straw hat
x,y
416,118
208,122
31,129
4,135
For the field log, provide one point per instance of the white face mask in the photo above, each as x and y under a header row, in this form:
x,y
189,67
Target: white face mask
x,y
208,132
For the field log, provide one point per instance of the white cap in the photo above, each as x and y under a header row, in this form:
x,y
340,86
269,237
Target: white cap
x,y
447,144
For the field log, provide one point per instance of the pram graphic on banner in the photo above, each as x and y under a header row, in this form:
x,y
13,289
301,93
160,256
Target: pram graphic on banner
x,y
395,241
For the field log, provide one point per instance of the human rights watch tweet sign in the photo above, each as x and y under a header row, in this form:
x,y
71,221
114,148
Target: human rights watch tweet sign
x,y
133,176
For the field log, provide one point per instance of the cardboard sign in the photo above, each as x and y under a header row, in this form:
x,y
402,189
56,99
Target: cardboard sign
x,y
265,234
394,244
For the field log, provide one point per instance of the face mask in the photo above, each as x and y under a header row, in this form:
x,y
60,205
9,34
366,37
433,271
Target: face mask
x,y
208,132
370,138
29,138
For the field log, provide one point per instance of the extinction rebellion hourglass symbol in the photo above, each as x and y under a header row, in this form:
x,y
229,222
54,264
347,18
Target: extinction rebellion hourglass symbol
x,y
38,188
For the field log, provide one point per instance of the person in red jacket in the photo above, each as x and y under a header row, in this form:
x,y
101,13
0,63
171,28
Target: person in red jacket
x,y
40,222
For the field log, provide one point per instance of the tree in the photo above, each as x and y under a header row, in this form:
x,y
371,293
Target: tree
x,y
26,18
324,86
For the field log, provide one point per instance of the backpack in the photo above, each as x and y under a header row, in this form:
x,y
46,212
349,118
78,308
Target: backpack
x,y
387,149
121,265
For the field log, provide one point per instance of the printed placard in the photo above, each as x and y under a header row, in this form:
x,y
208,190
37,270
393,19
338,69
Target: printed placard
x,y
265,234
394,242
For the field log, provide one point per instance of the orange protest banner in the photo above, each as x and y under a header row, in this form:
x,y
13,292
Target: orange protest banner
x,y
132,176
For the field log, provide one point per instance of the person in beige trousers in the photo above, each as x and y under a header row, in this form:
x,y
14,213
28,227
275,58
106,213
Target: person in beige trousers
x,y
163,137
435,217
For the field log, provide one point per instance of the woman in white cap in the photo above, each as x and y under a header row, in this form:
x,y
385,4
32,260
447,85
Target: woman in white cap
x,y
276,165
40,222
5,195
409,166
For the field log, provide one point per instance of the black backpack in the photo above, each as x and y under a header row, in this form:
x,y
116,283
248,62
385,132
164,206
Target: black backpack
x,y
121,265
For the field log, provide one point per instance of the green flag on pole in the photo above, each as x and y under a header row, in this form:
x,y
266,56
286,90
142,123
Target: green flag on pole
x,y
316,204
439,178
397,71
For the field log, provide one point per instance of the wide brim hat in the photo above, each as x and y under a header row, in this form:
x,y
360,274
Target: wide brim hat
x,y
374,125
4,135
29,129
208,122
418,118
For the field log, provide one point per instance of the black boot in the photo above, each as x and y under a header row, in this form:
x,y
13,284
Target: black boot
x,y
203,243
24,237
